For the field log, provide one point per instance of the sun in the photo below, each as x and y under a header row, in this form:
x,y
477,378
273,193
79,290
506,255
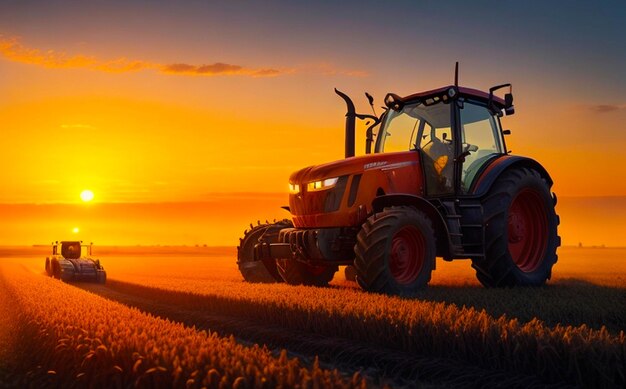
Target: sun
x,y
86,195
76,230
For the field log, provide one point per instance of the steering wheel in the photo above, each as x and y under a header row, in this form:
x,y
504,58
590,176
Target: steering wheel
x,y
469,148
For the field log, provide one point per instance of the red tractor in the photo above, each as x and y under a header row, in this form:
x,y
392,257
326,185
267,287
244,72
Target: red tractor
x,y
436,181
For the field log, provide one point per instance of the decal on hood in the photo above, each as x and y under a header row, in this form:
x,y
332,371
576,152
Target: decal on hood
x,y
373,165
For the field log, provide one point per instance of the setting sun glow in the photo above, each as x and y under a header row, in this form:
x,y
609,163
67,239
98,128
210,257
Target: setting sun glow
x,y
186,134
86,195
75,230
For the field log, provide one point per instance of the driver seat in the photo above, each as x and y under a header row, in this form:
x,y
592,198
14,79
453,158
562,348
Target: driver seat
x,y
438,166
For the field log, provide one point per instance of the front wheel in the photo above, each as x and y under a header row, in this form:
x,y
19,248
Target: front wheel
x,y
520,231
395,252
56,269
101,277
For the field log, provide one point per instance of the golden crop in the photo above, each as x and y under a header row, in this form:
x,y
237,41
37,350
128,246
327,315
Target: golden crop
x,y
582,355
576,355
71,338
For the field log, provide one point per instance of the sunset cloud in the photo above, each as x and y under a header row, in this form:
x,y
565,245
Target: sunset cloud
x,y
13,50
605,108
217,69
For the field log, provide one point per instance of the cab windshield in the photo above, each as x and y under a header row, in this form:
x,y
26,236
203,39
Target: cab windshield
x,y
414,127
425,127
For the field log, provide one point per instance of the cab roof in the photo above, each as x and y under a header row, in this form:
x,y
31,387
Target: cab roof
x,y
463,91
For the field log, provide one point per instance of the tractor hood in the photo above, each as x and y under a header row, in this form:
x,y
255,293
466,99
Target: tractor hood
x,y
340,193
353,165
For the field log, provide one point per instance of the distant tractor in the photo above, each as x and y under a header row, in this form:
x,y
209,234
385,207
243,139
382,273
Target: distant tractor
x,y
72,261
436,181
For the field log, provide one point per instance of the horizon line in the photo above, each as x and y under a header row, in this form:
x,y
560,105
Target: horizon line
x,y
235,194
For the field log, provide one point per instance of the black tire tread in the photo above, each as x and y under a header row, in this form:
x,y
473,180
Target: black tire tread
x,y
497,269
371,251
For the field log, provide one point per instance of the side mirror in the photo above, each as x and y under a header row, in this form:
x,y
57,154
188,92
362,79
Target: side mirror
x,y
508,104
508,100
506,132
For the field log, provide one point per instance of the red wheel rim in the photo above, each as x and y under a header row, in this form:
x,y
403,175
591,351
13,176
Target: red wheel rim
x,y
527,230
407,254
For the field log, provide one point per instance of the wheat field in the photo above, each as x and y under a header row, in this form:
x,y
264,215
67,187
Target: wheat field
x,y
569,332
76,339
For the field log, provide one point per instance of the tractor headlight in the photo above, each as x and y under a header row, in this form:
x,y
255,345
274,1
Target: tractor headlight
x,y
294,188
322,184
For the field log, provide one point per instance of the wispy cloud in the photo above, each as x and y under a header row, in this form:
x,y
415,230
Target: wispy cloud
x,y
604,108
13,50
218,68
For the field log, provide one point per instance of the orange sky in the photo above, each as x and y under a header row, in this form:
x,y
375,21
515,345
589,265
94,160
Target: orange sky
x,y
182,104
221,219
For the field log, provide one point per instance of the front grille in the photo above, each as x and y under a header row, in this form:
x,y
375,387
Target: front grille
x,y
322,201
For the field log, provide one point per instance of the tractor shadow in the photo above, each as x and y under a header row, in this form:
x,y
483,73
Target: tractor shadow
x,y
571,302
568,302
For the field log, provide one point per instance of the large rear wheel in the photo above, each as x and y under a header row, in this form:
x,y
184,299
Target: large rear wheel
x,y
101,276
295,272
520,231
395,252
259,271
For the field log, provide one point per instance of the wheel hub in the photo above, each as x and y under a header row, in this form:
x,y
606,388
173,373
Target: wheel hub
x,y
406,259
517,227
527,230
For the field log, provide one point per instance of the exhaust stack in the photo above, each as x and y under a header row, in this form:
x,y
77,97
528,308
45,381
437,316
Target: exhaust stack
x,y
350,124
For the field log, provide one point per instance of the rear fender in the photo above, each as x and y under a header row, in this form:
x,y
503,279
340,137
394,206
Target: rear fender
x,y
491,172
441,229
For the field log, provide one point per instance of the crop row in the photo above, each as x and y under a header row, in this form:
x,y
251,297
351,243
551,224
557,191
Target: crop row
x,y
560,354
71,338
594,298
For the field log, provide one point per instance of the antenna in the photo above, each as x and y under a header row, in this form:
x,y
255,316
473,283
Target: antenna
x,y
456,74
371,101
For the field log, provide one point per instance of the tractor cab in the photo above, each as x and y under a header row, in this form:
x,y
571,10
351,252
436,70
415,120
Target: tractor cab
x,y
454,137
71,249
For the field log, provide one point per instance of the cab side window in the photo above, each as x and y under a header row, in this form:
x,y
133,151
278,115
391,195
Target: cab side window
x,y
480,137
